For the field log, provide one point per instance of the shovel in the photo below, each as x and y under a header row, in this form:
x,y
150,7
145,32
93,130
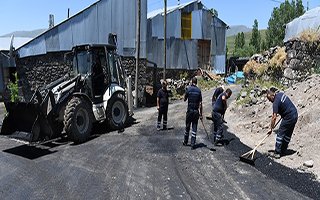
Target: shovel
x,y
249,156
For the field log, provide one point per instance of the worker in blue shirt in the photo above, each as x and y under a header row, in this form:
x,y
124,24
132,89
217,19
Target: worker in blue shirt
x,y
282,105
194,111
162,106
216,94
219,110
214,98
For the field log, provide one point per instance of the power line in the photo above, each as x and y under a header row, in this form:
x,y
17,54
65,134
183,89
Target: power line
x,y
276,1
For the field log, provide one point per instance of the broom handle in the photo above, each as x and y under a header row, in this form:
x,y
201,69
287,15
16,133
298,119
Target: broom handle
x,y
265,136
204,128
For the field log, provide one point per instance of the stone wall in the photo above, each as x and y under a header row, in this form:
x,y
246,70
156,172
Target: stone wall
x,y
37,71
302,58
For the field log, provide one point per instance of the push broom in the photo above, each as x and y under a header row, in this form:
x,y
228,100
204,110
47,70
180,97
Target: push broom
x,y
249,156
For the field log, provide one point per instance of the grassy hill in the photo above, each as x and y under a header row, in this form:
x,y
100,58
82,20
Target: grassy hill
x,y
247,37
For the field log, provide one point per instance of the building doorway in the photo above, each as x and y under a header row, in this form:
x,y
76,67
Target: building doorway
x,y
204,54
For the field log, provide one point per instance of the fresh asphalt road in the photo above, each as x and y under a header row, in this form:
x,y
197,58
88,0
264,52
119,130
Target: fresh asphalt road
x,y
142,163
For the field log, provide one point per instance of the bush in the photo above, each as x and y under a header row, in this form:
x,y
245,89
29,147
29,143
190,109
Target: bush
x,y
310,35
14,89
207,84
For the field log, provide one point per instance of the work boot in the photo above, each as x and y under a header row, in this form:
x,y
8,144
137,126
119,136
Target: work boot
x,y
218,140
193,142
185,141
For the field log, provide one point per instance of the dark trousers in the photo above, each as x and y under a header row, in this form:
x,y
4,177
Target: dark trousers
x,y
192,118
217,125
162,113
284,134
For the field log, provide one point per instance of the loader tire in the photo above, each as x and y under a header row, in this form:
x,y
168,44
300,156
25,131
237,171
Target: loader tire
x,y
117,112
78,119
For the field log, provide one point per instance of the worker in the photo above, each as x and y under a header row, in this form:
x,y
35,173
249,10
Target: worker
x,y
194,112
282,105
162,106
215,95
219,110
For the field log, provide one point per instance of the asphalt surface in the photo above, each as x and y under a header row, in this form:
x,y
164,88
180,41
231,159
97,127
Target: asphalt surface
x,y
142,163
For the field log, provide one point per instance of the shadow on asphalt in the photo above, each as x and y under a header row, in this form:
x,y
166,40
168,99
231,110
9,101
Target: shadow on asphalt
x,y
29,152
304,183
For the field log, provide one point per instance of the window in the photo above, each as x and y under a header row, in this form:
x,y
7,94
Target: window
x,y
113,68
81,65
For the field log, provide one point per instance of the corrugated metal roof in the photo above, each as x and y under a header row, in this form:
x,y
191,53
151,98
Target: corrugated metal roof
x,y
92,25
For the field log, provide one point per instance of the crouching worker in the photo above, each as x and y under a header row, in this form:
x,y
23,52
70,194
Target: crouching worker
x,y
282,105
219,109
194,111
162,106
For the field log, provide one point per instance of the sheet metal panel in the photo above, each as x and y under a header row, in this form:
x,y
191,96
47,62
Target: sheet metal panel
x,y
157,27
219,64
181,54
35,47
65,35
52,40
174,24
218,37
90,21
206,24
143,33
197,24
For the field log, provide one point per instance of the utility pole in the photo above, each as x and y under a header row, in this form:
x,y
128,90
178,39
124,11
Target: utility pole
x,y
137,55
165,40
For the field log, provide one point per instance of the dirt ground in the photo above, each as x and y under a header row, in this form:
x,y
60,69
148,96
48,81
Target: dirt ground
x,y
251,124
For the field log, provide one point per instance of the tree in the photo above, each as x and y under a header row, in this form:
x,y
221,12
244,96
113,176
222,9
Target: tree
x,y
279,18
242,40
255,36
263,45
239,41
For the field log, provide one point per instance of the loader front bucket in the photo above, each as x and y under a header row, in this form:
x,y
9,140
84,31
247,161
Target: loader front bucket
x,y
22,121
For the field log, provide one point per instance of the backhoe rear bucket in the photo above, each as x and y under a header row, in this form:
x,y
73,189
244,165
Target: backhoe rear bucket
x,y
23,121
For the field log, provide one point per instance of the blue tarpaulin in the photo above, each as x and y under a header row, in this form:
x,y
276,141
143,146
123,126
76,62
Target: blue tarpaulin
x,y
233,78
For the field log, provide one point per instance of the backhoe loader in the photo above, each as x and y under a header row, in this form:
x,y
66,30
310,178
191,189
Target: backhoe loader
x,y
94,92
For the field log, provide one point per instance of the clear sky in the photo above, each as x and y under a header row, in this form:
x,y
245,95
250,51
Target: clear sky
x,y
17,15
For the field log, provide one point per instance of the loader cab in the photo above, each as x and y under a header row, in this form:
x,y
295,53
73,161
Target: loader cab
x,y
101,66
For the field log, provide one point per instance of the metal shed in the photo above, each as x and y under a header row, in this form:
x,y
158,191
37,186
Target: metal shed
x,y
195,38
92,25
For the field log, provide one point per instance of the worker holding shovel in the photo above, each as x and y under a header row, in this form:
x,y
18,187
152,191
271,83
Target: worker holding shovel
x,y
283,106
219,109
